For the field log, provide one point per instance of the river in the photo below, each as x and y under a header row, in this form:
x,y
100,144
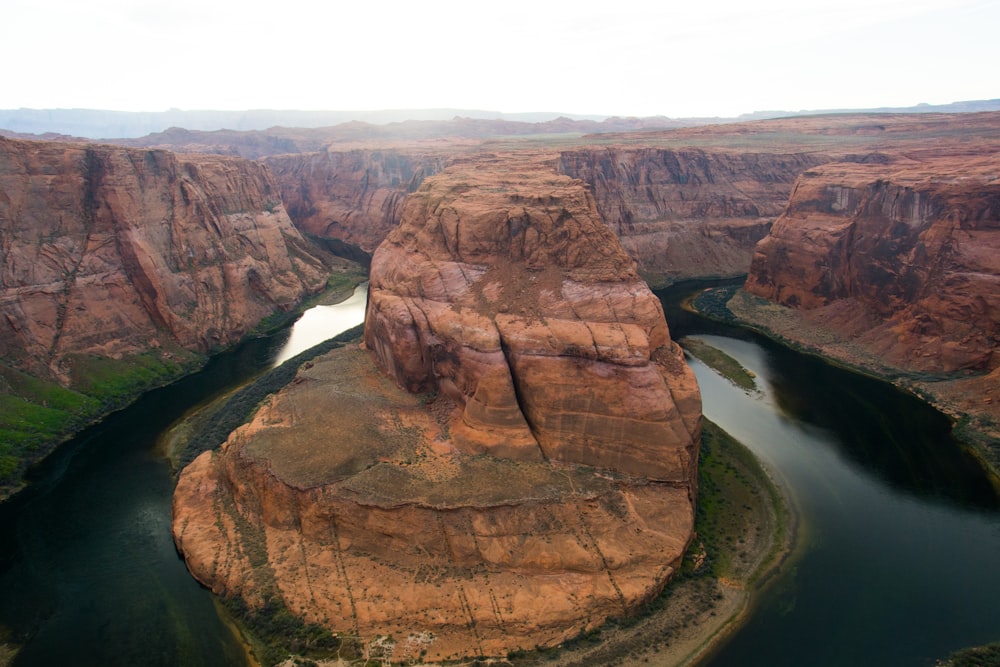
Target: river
x,y
900,528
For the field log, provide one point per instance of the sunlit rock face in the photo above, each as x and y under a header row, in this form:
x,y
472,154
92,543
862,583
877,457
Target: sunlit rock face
x,y
509,459
503,289
114,251
903,258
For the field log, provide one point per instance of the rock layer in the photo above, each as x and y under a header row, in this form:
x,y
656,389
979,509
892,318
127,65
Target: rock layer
x,y
353,196
688,213
115,251
903,258
508,274
523,467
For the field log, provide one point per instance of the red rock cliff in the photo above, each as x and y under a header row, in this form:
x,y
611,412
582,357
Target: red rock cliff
x,y
114,251
542,479
903,258
688,213
354,196
504,289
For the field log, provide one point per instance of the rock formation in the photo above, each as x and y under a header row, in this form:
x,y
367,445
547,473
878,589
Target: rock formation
x,y
689,213
517,464
904,259
352,196
112,251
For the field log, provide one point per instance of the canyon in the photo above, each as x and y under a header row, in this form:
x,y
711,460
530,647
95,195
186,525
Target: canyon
x,y
894,268
114,251
517,436
123,267
509,461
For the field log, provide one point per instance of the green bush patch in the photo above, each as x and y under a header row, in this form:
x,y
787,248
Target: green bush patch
x,y
721,362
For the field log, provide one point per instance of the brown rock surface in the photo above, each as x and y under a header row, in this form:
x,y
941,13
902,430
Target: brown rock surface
x,y
352,195
114,251
537,476
503,266
689,213
904,259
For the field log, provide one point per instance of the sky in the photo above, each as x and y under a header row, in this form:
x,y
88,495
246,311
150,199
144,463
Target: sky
x,y
614,57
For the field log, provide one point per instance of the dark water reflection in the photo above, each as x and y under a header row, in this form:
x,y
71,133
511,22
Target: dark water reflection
x,y
88,570
900,526
884,433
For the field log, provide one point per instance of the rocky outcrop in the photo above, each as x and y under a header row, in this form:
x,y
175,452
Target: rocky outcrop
x,y
504,290
903,259
354,197
517,464
110,251
688,213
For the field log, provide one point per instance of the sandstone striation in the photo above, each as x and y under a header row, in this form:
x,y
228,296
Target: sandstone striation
x,y
517,464
110,251
904,259
353,196
689,213
506,273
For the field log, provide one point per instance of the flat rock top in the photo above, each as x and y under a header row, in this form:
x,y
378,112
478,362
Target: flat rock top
x,y
940,172
343,423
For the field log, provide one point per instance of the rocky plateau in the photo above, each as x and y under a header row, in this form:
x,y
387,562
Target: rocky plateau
x,y
509,460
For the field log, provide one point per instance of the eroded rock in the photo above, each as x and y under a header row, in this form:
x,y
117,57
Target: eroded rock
x,y
516,465
113,251
903,259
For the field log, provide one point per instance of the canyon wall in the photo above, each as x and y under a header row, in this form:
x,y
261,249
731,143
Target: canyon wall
x,y
685,213
510,460
688,213
111,251
903,259
353,196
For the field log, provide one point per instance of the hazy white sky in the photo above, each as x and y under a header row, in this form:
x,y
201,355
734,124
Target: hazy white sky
x,y
622,57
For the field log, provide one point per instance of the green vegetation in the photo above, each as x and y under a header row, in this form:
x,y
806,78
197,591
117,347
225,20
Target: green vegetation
x,y
37,414
712,303
725,365
980,656
116,382
275,633
734,493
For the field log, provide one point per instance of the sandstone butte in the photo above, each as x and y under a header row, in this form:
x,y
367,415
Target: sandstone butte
x,y
900,261
508,460
111,251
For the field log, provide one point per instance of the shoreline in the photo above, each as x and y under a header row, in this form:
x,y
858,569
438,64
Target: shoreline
x,y
698,611
975,424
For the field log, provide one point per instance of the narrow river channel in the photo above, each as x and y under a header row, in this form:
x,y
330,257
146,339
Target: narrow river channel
x,y
900,529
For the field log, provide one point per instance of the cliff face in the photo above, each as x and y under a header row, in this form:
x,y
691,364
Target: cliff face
x,y
353,196
503,289
113,251
904,259
688,213
681,213
522,467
